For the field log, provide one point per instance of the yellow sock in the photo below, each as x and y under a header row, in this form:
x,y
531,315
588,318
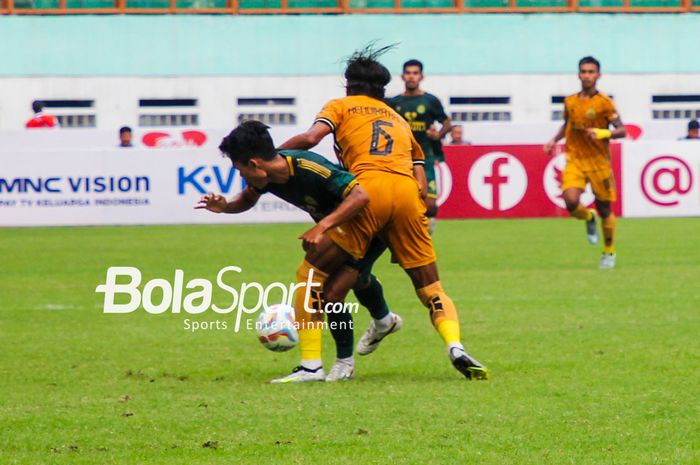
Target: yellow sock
x,y
609,225
449,331
582,213
443,312
310,343
310,328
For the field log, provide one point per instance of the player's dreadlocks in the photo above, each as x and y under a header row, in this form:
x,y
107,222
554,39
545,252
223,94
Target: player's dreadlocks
x,y
365,75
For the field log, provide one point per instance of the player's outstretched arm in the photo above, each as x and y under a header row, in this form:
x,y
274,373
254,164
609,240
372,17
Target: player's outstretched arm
x,y
351,205
244,200
308,139
549,146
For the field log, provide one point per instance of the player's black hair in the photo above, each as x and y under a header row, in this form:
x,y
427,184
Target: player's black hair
x,y
124,129
413,62
250,139
589,60
364,74
37,106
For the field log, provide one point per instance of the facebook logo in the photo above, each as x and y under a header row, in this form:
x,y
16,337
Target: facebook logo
x,y
497,181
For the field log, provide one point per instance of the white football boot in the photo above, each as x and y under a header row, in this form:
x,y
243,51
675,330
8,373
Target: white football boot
x,y
343,370
607,261
370,340
301,375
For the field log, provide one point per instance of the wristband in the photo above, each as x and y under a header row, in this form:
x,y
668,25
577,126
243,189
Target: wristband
x,y
602,133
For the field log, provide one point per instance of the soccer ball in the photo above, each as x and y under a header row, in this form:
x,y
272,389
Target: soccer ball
x,y
276,328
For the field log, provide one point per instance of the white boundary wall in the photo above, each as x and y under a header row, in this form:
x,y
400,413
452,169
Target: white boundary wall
x,y
117,98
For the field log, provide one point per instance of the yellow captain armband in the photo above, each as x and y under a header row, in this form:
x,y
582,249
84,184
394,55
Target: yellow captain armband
x,y
602,133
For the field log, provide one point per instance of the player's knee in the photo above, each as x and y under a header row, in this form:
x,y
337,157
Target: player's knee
x,y
363,282
332,293
604,209
571,203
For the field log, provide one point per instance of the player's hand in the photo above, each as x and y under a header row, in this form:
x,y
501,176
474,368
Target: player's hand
x,y
312,238
549,147
433,134
212,202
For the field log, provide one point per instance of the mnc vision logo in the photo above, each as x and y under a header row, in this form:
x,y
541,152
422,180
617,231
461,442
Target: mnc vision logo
x,y
75,184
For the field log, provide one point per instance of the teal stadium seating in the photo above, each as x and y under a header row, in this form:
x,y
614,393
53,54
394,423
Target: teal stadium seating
x,y
354,4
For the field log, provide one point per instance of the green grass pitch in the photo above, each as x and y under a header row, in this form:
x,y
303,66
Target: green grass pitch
x,y
589,367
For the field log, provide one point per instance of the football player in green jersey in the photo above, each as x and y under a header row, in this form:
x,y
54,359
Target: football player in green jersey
x,y
421,109
332,197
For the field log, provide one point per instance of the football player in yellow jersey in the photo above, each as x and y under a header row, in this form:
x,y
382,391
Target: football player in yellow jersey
x,y
376,145
588,116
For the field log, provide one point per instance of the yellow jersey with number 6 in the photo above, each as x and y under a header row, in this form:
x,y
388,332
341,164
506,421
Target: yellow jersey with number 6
x,y
371,136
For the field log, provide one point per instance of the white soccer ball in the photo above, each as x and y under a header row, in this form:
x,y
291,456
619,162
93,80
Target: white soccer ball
x,y
276,328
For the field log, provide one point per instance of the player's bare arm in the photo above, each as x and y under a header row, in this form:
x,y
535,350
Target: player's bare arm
x,y
243,201
419,174
549,146
446,127
351,205
308,139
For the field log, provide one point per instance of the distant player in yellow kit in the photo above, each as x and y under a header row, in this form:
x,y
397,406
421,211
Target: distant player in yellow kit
x,y
588,116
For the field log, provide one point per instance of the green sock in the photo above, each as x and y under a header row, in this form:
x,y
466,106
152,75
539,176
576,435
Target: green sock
x,y
341,326
372,297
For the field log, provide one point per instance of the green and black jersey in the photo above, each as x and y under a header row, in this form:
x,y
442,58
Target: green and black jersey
x,y
421,111
315,185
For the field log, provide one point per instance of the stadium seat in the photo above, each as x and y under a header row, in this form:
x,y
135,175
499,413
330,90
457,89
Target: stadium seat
x,y
312,3
201,4
371,3
656,3
36,4
541,3
427,3
90,3
486,3
250,4
147,3
600,3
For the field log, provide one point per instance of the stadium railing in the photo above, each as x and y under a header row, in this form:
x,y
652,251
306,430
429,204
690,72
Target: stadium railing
x,y
62,7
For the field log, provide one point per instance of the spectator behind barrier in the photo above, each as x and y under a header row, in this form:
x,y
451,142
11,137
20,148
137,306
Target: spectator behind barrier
x,y
125,137
456,135
693,130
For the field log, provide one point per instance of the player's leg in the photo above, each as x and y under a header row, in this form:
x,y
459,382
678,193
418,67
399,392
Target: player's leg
x,y
370,294
312,273
340,322
431,200
412,247
443,314
603,184
573,185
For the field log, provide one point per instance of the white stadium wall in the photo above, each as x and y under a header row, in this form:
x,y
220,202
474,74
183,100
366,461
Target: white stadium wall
x,y
116,99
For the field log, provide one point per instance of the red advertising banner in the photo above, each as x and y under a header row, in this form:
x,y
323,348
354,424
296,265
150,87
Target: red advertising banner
x,y
508,181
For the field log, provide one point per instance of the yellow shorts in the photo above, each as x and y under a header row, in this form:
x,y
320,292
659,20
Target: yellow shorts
x,y
355,236
396,213
601,180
